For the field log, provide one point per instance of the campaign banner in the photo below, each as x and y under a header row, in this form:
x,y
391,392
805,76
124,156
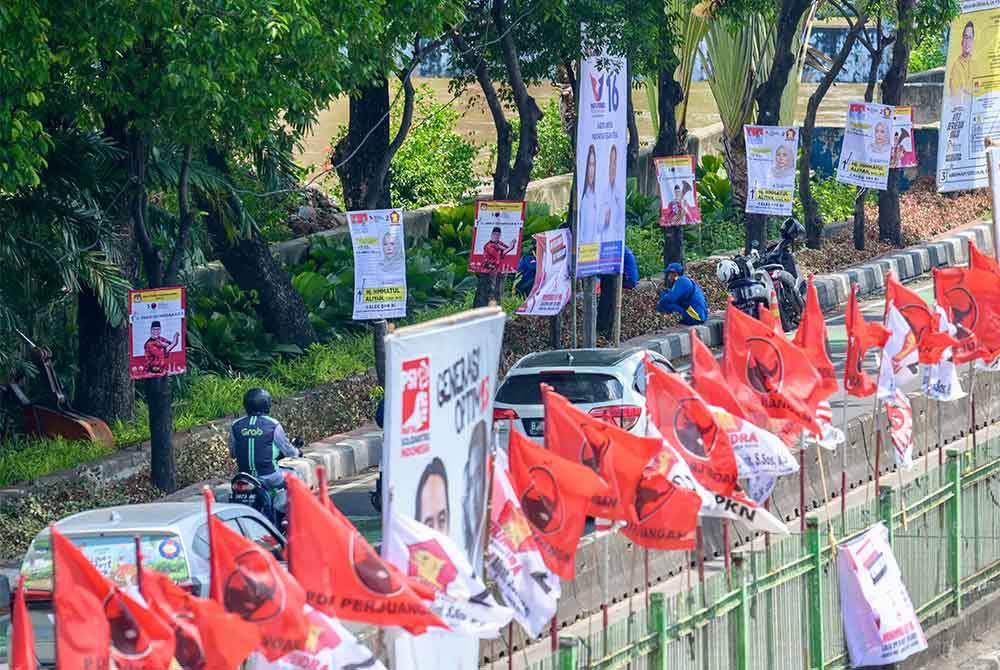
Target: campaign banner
x,y
379,263
601,139
678,195
880,623
440,380
496,238
771,152
330,646
904,144
156,332
970,108
867,146
552,288
758,452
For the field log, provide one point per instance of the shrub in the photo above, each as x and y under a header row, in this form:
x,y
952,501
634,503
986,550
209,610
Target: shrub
x,y
928,53
555,147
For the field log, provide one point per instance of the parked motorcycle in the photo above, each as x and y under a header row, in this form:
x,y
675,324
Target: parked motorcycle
x,y
248,490
750,279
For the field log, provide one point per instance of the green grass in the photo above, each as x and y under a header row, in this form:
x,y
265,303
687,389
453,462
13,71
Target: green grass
x,y
25,459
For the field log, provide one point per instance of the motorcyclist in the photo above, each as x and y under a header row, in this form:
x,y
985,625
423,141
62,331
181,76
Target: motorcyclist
x,y
257,441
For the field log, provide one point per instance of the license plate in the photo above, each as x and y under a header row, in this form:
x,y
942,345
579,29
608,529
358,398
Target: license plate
x,y
534,427
242,498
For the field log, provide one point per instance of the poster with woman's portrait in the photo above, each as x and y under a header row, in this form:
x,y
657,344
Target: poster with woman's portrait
x,y
771,152
904,146
678,193
866,150
379,263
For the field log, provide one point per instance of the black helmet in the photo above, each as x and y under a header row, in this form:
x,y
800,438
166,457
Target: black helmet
x,y
792,229
257,401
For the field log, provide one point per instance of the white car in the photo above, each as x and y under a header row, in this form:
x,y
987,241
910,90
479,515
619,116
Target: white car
x,y
607,383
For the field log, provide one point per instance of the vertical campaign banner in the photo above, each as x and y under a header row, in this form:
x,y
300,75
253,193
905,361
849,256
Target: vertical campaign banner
x,y
904,145
880,623
552,288
771,152
496,238
156,332
970,109
867,146
678,194
379,263
440,380
601,139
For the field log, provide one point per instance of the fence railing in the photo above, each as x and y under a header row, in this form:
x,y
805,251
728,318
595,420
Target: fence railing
x,y
780,607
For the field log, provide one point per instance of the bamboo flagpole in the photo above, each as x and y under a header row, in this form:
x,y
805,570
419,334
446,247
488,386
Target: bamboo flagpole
x,y
802,482
843,463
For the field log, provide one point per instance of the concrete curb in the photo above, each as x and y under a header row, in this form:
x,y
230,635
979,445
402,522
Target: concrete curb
x,y
907,264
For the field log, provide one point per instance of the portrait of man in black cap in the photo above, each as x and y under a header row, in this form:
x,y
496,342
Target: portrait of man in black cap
x,y
157,349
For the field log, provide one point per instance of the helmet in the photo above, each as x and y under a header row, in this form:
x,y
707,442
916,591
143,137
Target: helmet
x,y
257,401
674,267
727,270
792,229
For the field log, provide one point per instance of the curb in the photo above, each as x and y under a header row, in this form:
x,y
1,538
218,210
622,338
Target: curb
x,y
907,264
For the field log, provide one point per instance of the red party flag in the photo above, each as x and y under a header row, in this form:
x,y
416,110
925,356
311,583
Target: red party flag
x,y
980,261
711,384
248,581
923,321
96,620
971,296
811,338
206,635
861,336
777,370
342,574
618,456
21,648
668,513
554,493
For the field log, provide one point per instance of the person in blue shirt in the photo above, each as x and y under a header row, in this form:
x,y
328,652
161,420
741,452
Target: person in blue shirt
x,y
682,295
526,274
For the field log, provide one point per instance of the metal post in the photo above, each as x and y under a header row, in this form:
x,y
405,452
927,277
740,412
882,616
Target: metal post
x,y
886,501
699,548
955,529
814,587
589,313
742,616
658,608
843,470
617,332
568,650
802,481
727,554
572,314
378,342
605,589
877,422
940,436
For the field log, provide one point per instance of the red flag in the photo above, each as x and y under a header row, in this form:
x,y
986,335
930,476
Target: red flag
x,y
811,338
980,261
923,321
554,494
777,370
687,423
21,648
96,620
861,336
668,514
971,296
206,635
342,574
615,454
248,581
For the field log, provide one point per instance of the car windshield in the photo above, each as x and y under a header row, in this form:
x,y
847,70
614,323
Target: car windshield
x,y
113,555
577,387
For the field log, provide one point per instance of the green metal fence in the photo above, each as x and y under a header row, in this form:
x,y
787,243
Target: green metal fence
x,y
780,607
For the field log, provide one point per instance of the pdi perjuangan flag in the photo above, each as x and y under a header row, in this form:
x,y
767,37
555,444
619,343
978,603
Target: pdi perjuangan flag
x,y
867,146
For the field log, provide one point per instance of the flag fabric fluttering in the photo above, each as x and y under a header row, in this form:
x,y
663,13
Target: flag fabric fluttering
x,y
900,416
940,379
932,340
97,622
971,296
514,560
711,384
554,493
329,646
461,600
758,452
21,644
861,336
206,635
811,338
899,355
343,576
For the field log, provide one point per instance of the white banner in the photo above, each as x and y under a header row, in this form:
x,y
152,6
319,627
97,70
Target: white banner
x,y
329,646
440,380
866,150
552,288
899,356
880,624
970,109
771,152
379,264
758,452
831,437
940,380
601,140
900,416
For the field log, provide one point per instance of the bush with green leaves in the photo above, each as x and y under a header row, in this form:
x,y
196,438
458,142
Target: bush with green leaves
x,y
555,147
835,200
928,53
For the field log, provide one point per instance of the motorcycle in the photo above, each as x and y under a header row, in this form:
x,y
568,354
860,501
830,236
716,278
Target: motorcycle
x,y
248,490
750,279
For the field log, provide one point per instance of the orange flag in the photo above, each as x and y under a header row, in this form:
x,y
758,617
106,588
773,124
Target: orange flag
x,y
710,383
923,321
971,296
21,650
811,338
861,336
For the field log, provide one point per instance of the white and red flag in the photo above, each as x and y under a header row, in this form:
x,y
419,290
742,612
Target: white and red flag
x,y
329,646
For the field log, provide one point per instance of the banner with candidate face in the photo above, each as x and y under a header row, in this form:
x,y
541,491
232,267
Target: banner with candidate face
x,y
678,194
867,147
157,332
771,152
440,380
496,238
379,264
904,144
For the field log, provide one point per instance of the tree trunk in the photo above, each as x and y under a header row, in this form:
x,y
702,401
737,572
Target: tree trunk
x,y
670,94
163,463
632,152
889,224
734,155
814,226
104,387
359,154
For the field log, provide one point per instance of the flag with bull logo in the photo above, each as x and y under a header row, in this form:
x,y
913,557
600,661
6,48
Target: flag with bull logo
x,y
899,355
461,599
328,646
811,338
861,336
971,297
711,384
514,560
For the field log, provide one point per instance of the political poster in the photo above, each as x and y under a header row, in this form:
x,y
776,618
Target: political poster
x,y
867,146
678,195
880,623
156,332
771,153
440,380
970,108
552,288
496,238
329,646
601,139
379,264
904,145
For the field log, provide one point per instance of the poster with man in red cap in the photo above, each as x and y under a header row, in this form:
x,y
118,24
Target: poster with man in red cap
x,y
156,332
